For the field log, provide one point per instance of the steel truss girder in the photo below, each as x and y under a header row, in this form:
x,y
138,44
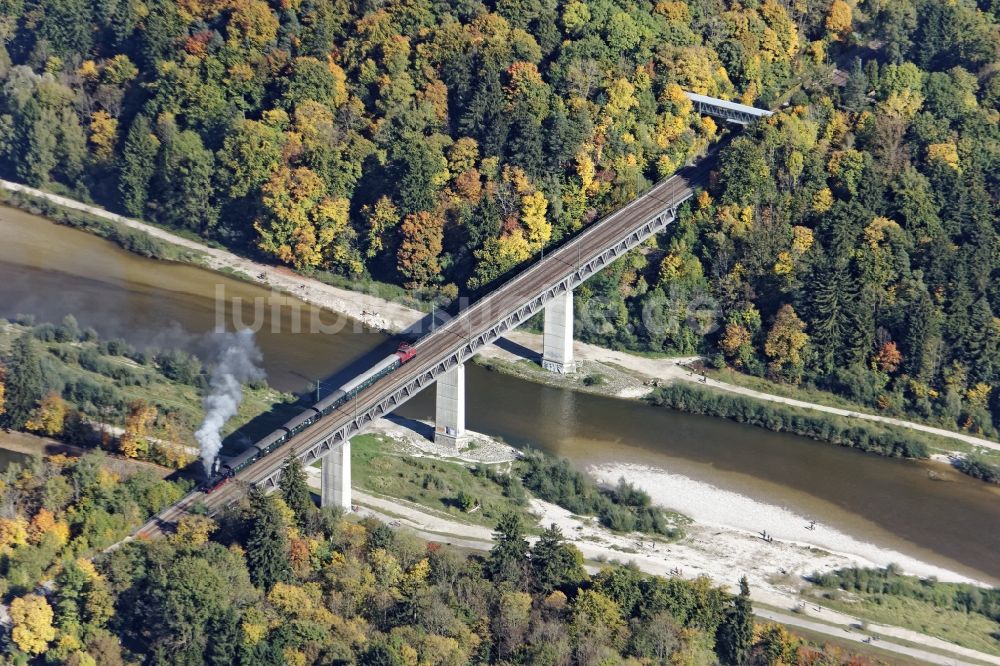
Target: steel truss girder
x,y
739,117
477,341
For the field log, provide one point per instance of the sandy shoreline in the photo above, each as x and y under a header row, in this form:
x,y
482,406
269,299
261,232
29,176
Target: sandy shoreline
x,y
715,508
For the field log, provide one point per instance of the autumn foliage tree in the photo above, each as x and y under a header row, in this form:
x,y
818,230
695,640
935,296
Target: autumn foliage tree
x,y
419,249
838,20
194,530
103,135
49,416
32,621
133,441
303,226
888,358
785,343
3,389
381,219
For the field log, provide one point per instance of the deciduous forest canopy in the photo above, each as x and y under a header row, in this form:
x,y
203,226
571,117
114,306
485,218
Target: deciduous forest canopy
x,y
278,582
850,241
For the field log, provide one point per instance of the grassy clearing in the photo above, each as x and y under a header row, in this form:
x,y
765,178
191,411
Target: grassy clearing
x,y
958,612
450,488
970,630
454,489
797,392
870,650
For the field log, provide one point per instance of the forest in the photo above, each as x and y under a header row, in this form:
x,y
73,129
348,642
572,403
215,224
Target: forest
x,y
277,581
848,242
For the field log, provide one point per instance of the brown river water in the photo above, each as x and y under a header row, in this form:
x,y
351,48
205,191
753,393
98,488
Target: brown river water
x,y
49,271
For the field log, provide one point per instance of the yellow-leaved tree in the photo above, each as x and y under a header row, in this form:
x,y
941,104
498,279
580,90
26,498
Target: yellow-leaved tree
x,y
201,10
537,230
943,153
301,225
822,200
43,524
13,533
838,20
381,218
194,530
252,22
49,417
103,134
785,342
32,618
133,441
463,155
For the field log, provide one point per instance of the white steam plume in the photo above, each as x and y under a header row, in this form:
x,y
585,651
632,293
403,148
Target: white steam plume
x,y
236,360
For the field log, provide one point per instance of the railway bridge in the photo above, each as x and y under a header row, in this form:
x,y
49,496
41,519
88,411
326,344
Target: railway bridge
x,y
545,286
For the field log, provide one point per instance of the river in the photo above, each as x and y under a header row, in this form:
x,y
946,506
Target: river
x,y
50,271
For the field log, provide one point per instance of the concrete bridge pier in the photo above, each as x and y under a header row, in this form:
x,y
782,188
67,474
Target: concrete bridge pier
x,y
557,339
449,414
335,478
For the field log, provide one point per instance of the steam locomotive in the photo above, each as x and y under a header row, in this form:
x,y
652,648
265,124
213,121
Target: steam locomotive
x,y
223,472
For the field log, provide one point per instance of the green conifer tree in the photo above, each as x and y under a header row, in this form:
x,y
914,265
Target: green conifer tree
x,y
295,491
509,555
735,635
137,165
267,544
554,563
25,382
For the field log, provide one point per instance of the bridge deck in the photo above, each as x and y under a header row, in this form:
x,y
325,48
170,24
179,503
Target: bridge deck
x,y
477,326
731,111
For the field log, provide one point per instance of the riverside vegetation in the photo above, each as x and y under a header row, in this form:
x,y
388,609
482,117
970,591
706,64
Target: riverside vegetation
x,y
482,493
884,440
868,437
59,381
848,241
132,240
959,612
277,581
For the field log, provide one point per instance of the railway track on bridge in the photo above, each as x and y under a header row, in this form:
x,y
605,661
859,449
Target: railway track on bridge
x,y
457,340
